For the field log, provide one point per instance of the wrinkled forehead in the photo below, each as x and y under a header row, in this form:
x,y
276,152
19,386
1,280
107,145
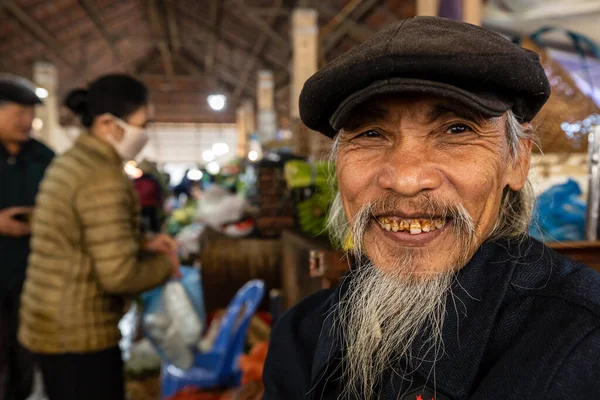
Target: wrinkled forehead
x,y
425,109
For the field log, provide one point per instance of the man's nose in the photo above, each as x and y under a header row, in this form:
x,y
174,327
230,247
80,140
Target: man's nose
x,y
409,168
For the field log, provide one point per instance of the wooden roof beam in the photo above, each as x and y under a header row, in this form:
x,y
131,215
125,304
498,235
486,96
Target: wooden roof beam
x,y
245,14
228,39
211,45
144,62
172,25
259,47
158,29
269,11
338,34
94,15
357,31
226,74
40,33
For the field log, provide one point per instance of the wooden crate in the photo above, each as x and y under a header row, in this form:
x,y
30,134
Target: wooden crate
x,y
276,208
296,279
227,264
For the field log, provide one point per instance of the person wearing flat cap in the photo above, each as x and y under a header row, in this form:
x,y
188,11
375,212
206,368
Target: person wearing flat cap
x,y
447,296
23,161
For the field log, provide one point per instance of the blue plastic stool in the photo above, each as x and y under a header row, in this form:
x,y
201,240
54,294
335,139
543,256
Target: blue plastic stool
x,y
219,366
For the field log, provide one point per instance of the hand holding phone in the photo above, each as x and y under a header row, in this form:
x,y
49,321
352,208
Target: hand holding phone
x,y
14,221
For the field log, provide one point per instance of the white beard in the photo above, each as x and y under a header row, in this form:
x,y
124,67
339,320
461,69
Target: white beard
x,y
378,319
388,308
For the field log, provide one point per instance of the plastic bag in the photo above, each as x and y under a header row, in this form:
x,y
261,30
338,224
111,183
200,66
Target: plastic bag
x,y
181,312
559,214
174,317
188,240
128,326
219,207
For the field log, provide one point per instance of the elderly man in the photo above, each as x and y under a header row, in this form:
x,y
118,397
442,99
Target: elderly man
x,y
22,165
447,297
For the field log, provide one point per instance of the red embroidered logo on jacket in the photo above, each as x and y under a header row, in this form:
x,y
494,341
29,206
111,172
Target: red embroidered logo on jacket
x,y
420,397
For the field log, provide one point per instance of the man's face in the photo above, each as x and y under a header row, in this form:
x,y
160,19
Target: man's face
x,y
15,122
434,175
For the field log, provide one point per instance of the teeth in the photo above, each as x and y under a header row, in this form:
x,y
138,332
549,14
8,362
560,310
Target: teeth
x,y
414,226
404,225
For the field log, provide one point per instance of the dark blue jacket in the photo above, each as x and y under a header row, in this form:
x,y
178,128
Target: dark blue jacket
x,y
20,177
529,329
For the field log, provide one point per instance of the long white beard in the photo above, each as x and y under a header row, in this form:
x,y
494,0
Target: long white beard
x,y
379,319
388,308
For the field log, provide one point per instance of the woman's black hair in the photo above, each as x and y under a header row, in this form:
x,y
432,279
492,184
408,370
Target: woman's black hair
x,y
116,94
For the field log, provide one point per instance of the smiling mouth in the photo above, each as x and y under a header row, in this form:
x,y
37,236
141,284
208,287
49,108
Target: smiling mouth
x,y
413,226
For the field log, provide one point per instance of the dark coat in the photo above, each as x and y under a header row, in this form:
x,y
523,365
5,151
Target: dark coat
x,y
529,329
20,177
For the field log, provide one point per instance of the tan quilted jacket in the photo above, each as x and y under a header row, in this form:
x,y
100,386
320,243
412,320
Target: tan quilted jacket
x,y
85,254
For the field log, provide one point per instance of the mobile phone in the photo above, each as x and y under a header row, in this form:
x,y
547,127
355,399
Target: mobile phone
x,y
24,218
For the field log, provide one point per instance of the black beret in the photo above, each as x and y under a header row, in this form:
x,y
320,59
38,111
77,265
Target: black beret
x,y
428,55
15,89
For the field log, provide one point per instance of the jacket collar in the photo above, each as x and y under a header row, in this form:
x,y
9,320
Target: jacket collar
x,y
479,292
91,144
31,150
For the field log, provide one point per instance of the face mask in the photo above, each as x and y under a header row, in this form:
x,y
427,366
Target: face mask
x,y
133,141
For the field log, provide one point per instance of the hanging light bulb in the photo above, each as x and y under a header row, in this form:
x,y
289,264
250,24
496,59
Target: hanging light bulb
x,y
217,101
41,92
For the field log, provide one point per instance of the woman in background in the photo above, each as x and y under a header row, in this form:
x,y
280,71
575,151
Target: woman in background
x,y
87,253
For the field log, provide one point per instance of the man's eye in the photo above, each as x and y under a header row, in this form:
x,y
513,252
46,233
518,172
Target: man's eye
x,y
369,134
458,128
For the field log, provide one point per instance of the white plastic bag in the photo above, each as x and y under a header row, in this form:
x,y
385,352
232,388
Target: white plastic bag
x,y
174,318
169,340
180,310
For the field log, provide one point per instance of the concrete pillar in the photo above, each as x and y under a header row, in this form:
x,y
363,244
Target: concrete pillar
x,y
472,11
266,115
242,136
250,115
305,38
245,126
428,8
45,76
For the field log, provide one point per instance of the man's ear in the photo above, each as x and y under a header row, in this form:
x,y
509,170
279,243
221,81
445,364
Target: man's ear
x,y
518,169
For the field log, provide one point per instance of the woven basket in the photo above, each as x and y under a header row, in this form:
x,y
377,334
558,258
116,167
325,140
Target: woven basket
x,y
566,104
